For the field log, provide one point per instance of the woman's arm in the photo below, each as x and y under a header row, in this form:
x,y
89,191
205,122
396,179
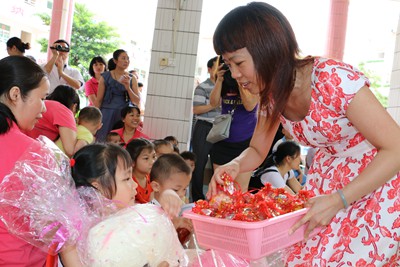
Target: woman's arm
x,y
68,139
133,91
215,95
294,185
369,117
251,157
249,100
100,93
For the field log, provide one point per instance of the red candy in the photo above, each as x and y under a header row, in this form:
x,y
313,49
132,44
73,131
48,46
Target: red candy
x,y
268,202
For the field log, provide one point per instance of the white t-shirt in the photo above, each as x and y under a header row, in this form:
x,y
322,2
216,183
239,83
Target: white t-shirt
x,y
274,177
55,79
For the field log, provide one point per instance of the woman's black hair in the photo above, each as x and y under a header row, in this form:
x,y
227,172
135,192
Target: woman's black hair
x,y
21,46
95,60
136,146
98,163
20,72
117,53
111,64
66,95
129,109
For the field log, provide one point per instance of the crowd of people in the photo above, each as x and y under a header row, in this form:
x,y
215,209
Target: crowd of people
x,y
260,79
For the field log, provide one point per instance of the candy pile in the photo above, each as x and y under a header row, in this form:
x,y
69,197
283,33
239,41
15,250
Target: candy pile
x,y
230,203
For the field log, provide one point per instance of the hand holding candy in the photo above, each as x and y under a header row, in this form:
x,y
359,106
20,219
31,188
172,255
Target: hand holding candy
x,y
231,169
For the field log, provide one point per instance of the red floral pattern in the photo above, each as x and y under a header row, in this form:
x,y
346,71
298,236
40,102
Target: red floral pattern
x,y
368,232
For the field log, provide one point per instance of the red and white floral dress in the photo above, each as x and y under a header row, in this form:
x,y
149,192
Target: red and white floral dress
x,y
367,233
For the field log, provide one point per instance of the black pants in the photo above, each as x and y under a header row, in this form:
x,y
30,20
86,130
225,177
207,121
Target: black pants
x,y
201,148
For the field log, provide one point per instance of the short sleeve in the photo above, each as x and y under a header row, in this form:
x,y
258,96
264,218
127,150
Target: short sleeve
x,y
200,96
274,178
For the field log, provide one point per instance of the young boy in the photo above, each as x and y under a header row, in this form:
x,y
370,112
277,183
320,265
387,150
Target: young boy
x,y
162,147
89,122
114,138
190,158
170,171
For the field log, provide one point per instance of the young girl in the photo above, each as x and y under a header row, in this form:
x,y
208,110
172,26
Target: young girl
x,y
278,170
143,156
107,168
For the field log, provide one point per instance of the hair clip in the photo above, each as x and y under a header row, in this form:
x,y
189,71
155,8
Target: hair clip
x,y
72,162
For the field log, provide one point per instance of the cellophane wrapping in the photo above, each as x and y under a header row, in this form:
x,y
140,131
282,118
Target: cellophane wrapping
x,y
38,199
141,235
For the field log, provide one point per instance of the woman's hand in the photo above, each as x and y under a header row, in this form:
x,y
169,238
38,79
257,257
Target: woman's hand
x,y
321,211
125,80
171,203
231,168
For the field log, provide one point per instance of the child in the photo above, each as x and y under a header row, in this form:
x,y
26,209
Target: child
x,y
143,156
162,147
114,138
170,171
190,158
174,141
108,169
89,122
278,170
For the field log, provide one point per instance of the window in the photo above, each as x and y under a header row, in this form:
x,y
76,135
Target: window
x,y
30,2
4,33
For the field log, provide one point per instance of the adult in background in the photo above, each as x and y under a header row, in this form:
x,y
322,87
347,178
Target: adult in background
x,y
60,73
204,114
242,105
327,104
15,47
115,91
23,88
96,67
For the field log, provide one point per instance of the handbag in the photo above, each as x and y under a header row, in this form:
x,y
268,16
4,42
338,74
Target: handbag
x,y
221,127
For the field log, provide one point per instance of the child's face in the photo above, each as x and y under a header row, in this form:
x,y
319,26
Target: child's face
x,y
132,119
164,149
178,182
145,161
126,187
190,163
115,139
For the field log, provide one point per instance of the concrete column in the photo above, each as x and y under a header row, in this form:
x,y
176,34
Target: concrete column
x,y
337,29
61,21
394,94
168,109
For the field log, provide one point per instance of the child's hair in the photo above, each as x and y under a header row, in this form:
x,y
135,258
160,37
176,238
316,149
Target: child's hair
x,y
166,165
90,114
98,163
161,142
66,95
188,155
136,146
129,109
284,149
95,60
171,139
109,135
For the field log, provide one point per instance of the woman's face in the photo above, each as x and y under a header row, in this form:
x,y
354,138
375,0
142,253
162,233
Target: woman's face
x,y
295,161
132,119
123,61
28,111
98,68
126,187
242,68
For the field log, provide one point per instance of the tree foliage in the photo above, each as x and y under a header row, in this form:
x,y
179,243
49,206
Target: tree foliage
x,y
88,39
376,83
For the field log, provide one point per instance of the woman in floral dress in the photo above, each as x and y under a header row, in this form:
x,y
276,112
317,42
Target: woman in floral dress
x,y
324,104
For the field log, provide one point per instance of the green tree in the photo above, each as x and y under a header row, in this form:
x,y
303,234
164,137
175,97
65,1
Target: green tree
x,y
376,83
88,39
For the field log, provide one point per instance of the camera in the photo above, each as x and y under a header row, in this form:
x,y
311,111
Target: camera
x,y
60,48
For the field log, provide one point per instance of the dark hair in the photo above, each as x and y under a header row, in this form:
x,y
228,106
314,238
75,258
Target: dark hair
x,y
111,134
111,64
20,72
90,114
98,162
268,36
129,109
171,138
139,84
229,85
95,60
166,165
136,146
62,41
211,61
66,95
189,155
21,46
117,53
284,149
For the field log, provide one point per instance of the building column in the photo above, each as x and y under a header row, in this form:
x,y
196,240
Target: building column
x,y
170,88
61,21
394,94
337,29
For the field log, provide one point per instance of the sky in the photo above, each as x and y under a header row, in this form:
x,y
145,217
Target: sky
x,y
371,25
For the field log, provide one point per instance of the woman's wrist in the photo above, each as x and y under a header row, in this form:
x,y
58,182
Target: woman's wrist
x,y
343,198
